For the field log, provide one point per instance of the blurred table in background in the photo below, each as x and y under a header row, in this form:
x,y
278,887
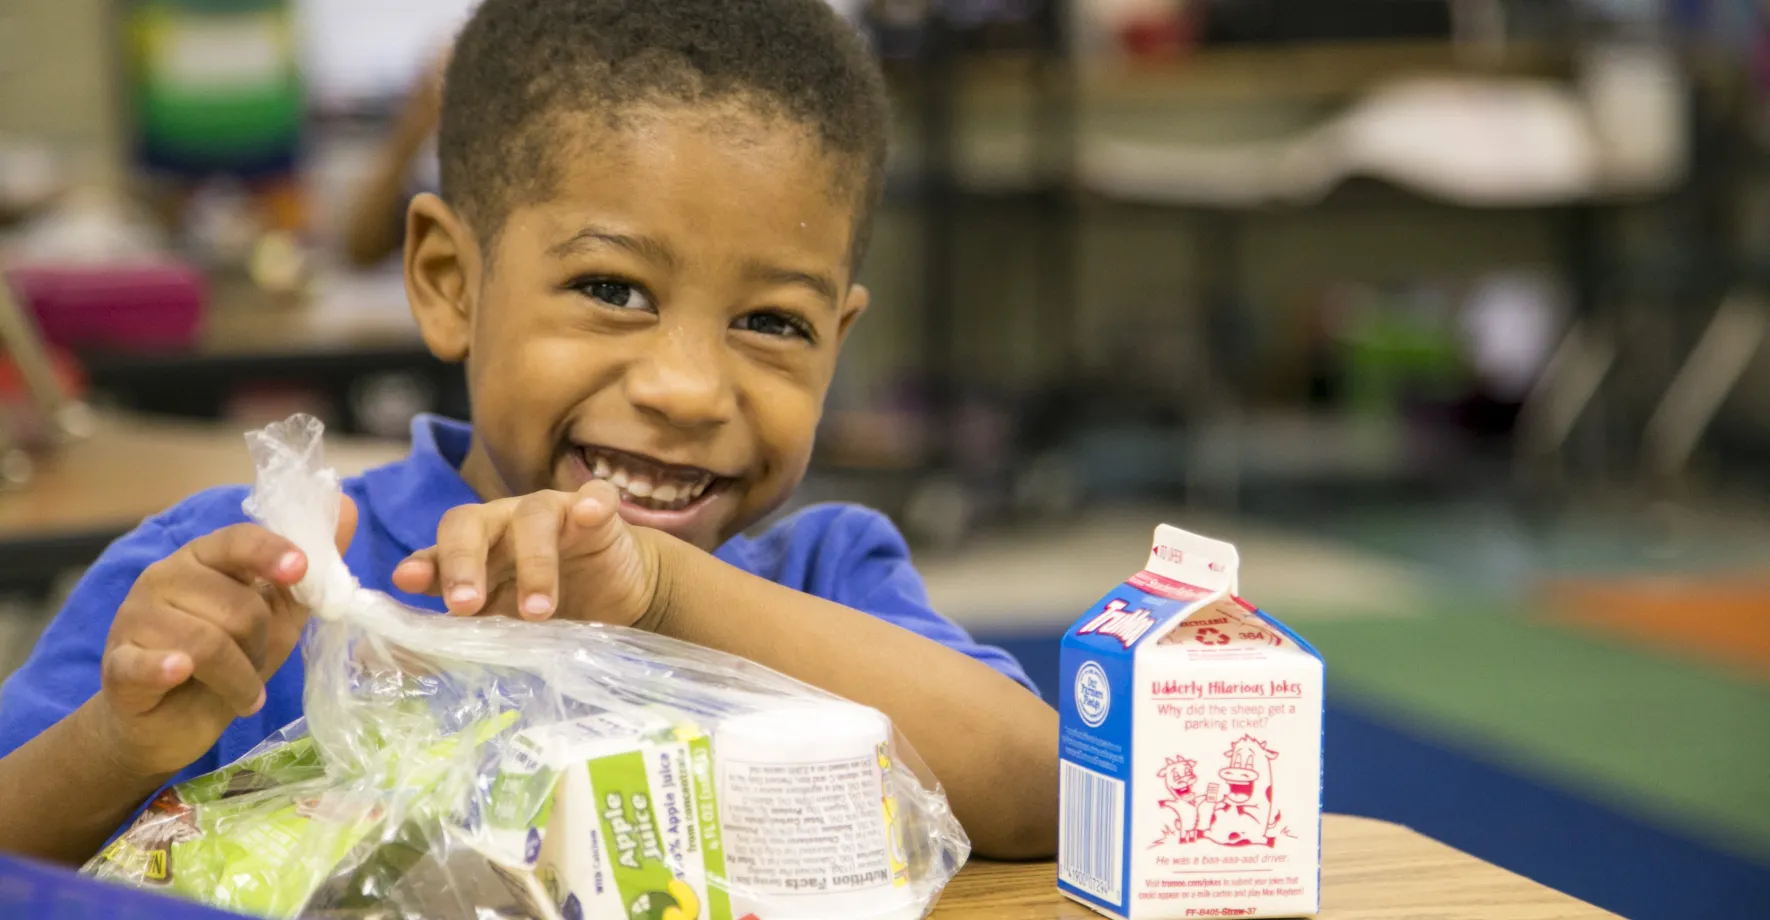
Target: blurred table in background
x,y
1371,870
368,314
349,353
97,489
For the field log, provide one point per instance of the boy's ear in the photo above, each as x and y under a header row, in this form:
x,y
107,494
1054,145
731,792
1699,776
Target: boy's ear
x,y
852,307
443,266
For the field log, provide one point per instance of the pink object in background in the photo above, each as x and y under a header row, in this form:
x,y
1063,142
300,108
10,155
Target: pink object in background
x,y
120,308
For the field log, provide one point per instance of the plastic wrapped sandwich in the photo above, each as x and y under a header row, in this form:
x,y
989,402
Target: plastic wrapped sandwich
x,y
490,768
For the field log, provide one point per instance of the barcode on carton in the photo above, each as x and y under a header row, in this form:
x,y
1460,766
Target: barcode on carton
x,y
1091,848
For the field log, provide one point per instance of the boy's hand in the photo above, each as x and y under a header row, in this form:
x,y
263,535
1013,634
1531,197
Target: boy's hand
x,y
511,557
195,640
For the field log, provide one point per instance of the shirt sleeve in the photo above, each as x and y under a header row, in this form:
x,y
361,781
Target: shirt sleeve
x,y
877,577
62,673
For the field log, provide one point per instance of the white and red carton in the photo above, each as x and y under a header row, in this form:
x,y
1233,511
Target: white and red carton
x,y
1190,748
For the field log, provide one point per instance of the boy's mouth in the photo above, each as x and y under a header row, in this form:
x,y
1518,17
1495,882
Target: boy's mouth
x,y
650,484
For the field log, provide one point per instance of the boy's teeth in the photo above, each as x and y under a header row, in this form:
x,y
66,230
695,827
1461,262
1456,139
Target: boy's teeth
x,y
669,492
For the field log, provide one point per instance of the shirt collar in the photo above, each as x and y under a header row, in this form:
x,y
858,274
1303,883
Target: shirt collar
x,y
409,498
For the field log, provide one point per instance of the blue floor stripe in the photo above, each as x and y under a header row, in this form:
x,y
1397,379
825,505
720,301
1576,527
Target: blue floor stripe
x,y
1377,768
41,892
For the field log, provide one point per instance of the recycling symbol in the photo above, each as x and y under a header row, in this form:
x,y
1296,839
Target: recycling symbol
x,y
1210,635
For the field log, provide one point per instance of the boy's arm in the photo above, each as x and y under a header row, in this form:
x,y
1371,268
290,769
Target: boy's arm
x,y
65,792
159,648
992,743
60,787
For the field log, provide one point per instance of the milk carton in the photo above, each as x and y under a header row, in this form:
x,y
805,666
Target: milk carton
x,y
1190,749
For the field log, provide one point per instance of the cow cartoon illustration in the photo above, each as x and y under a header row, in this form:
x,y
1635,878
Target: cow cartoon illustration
x,y
1178,779
1244,815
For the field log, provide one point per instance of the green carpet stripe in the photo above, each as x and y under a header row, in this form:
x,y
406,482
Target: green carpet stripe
x,y
1686,747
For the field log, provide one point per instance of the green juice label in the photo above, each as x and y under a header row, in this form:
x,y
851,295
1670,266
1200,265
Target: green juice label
x,y
706,809
613,817
623,791
625,809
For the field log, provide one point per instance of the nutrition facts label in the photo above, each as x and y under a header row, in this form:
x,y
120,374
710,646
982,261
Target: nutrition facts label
x,y
805,827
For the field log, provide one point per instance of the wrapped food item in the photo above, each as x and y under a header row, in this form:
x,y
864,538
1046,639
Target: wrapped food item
x,y
490,768
260,835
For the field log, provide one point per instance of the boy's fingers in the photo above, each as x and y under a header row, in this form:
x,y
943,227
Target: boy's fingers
x,y
462,544
222,667
287,618
243,613
417,574
136,679
347,517
597,498
246,552
595,512
217,660
534,546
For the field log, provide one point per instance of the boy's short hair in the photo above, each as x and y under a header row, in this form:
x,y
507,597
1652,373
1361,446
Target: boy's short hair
x,y
520,67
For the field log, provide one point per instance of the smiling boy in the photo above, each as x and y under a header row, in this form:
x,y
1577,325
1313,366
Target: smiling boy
x,y
644,254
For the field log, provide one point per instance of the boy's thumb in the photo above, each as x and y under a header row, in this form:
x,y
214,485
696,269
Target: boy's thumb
x,y
347,518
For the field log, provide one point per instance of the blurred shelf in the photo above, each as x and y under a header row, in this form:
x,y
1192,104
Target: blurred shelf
x,y
1025,125
1034,139
1280,73
92,491
1306,72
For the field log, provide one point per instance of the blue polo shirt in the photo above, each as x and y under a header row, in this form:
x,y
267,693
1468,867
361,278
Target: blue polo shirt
x,y
844,553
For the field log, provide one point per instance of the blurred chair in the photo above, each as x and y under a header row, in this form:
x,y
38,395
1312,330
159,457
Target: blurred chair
x,y
57,417
1561,396
1711,372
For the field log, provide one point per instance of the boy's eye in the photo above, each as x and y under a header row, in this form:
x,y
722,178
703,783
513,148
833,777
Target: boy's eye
x,y
774,324
614,293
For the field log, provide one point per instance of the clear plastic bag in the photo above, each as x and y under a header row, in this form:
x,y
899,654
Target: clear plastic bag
x,y
491,768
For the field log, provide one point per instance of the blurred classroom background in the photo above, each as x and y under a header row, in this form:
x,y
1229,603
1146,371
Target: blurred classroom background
x,y
1450,312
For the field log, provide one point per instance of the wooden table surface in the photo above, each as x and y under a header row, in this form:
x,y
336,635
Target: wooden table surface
x,y
132,467
1372,870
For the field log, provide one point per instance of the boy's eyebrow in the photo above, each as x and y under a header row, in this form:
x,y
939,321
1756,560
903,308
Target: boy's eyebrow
x,y
821,285
657,251
591,237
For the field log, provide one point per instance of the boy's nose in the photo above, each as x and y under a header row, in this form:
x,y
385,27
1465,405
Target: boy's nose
x,y
681,384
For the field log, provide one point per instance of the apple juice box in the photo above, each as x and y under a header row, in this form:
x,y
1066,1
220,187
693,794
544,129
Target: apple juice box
x,y
1190,747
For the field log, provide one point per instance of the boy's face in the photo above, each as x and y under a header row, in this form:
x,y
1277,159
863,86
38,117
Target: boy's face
x,y
668,320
